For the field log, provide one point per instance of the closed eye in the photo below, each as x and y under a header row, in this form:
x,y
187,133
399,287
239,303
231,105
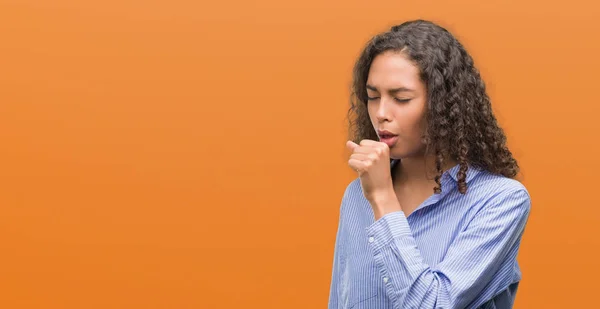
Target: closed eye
x,y
396,99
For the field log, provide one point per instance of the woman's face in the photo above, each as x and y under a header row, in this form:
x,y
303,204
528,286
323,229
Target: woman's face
x,y
397,104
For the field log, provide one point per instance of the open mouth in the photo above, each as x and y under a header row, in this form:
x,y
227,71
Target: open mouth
x,y
385,136
388,138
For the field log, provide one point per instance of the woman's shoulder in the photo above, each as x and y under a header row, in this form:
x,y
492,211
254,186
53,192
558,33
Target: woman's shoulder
x,y
490,183
493,189
353,190
353,197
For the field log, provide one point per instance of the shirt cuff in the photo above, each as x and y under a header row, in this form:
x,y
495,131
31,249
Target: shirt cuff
x,y
389,227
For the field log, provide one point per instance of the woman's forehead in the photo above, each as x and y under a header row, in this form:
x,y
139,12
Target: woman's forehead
x,y
390,71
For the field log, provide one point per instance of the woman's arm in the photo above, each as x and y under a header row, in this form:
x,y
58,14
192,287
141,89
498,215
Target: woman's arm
x,y
469,265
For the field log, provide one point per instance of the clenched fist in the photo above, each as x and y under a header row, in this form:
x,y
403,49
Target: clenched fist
x,y
371,160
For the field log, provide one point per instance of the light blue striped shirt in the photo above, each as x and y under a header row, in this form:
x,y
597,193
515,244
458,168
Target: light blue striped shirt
x,y
453,251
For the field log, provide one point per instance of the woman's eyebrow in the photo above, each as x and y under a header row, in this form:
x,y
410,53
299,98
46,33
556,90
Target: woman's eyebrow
x,y
392,91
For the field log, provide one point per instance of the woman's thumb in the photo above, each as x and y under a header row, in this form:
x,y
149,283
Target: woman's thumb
x,y
351,145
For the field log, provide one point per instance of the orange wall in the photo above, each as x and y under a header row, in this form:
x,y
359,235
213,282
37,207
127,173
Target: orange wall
x,y
167,154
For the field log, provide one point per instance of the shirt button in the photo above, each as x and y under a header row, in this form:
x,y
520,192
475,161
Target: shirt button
x,y
371,239
385,279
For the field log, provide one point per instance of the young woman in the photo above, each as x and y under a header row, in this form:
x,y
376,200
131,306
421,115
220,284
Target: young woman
x,y
435,217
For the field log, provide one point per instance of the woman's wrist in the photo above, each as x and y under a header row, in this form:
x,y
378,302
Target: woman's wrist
x,y
384,202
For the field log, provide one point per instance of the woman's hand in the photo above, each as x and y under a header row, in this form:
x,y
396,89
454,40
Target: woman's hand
x,y
371,160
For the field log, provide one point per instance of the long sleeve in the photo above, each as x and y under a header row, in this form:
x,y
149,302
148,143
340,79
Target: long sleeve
x,y
472,260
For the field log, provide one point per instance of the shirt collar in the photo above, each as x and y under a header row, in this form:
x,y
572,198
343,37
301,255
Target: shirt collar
x,y
472,171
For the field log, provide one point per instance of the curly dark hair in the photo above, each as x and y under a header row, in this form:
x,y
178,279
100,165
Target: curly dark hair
x,y
461,124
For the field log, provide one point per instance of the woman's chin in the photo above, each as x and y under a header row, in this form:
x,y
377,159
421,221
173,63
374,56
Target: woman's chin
x,y
396,156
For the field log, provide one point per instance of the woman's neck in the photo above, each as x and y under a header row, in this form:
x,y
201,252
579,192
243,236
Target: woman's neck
x,y
418,171
413,181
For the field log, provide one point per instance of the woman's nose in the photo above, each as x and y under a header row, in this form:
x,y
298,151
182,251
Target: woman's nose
x,y
383,110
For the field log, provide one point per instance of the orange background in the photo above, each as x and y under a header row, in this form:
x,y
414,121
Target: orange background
x,y
180,154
